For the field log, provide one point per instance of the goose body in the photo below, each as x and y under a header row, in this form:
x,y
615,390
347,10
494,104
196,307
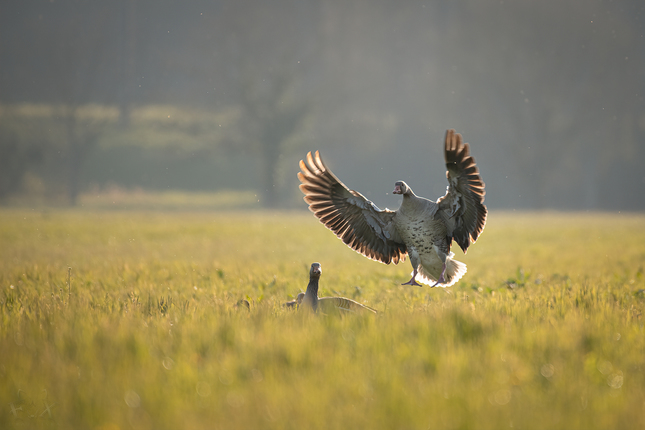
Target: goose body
x,y
310,300
420,229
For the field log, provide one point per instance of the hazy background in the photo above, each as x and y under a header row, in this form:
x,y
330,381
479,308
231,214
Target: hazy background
x,y
220,96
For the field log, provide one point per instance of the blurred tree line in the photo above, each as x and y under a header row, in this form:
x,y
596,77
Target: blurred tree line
x,y
222,95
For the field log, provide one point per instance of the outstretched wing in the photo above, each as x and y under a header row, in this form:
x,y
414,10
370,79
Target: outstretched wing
x,y
342,304
462,208
354,219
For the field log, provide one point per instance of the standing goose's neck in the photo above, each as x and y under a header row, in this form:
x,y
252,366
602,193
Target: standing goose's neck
x,y
312,291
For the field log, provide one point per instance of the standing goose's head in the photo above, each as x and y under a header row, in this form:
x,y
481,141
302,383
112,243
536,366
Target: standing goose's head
x,y
315,271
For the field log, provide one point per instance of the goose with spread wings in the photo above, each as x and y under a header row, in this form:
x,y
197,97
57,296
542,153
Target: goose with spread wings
x,y
421,229
310,300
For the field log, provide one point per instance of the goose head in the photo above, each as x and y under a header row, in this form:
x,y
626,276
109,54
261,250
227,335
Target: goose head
x,y
401,187
315,271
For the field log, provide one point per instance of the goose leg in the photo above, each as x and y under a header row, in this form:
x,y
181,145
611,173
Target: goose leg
x,y
412,280
441,279
414,260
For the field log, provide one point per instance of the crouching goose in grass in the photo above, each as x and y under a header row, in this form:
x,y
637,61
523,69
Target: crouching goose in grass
x,y
243,303
420,228
310,300
296,302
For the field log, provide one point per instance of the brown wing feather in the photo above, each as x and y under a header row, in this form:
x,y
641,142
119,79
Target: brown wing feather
x,y
462,207
355,220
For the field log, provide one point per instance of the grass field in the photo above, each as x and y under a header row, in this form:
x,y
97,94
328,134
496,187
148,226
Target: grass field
x,y
545,331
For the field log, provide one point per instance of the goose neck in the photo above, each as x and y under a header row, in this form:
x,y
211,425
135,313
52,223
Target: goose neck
x,y
312,292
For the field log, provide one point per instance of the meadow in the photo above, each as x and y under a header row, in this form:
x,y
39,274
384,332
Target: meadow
x,y
130,319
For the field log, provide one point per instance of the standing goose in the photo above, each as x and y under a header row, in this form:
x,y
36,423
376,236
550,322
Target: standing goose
x,y
420,228
310,299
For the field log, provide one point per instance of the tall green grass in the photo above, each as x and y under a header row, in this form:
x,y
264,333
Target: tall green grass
x,y
544,331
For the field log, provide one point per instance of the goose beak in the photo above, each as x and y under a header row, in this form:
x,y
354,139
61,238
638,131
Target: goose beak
x,y
397,189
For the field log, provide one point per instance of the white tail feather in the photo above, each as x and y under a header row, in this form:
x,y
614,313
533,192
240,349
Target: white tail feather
x,y
454,271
